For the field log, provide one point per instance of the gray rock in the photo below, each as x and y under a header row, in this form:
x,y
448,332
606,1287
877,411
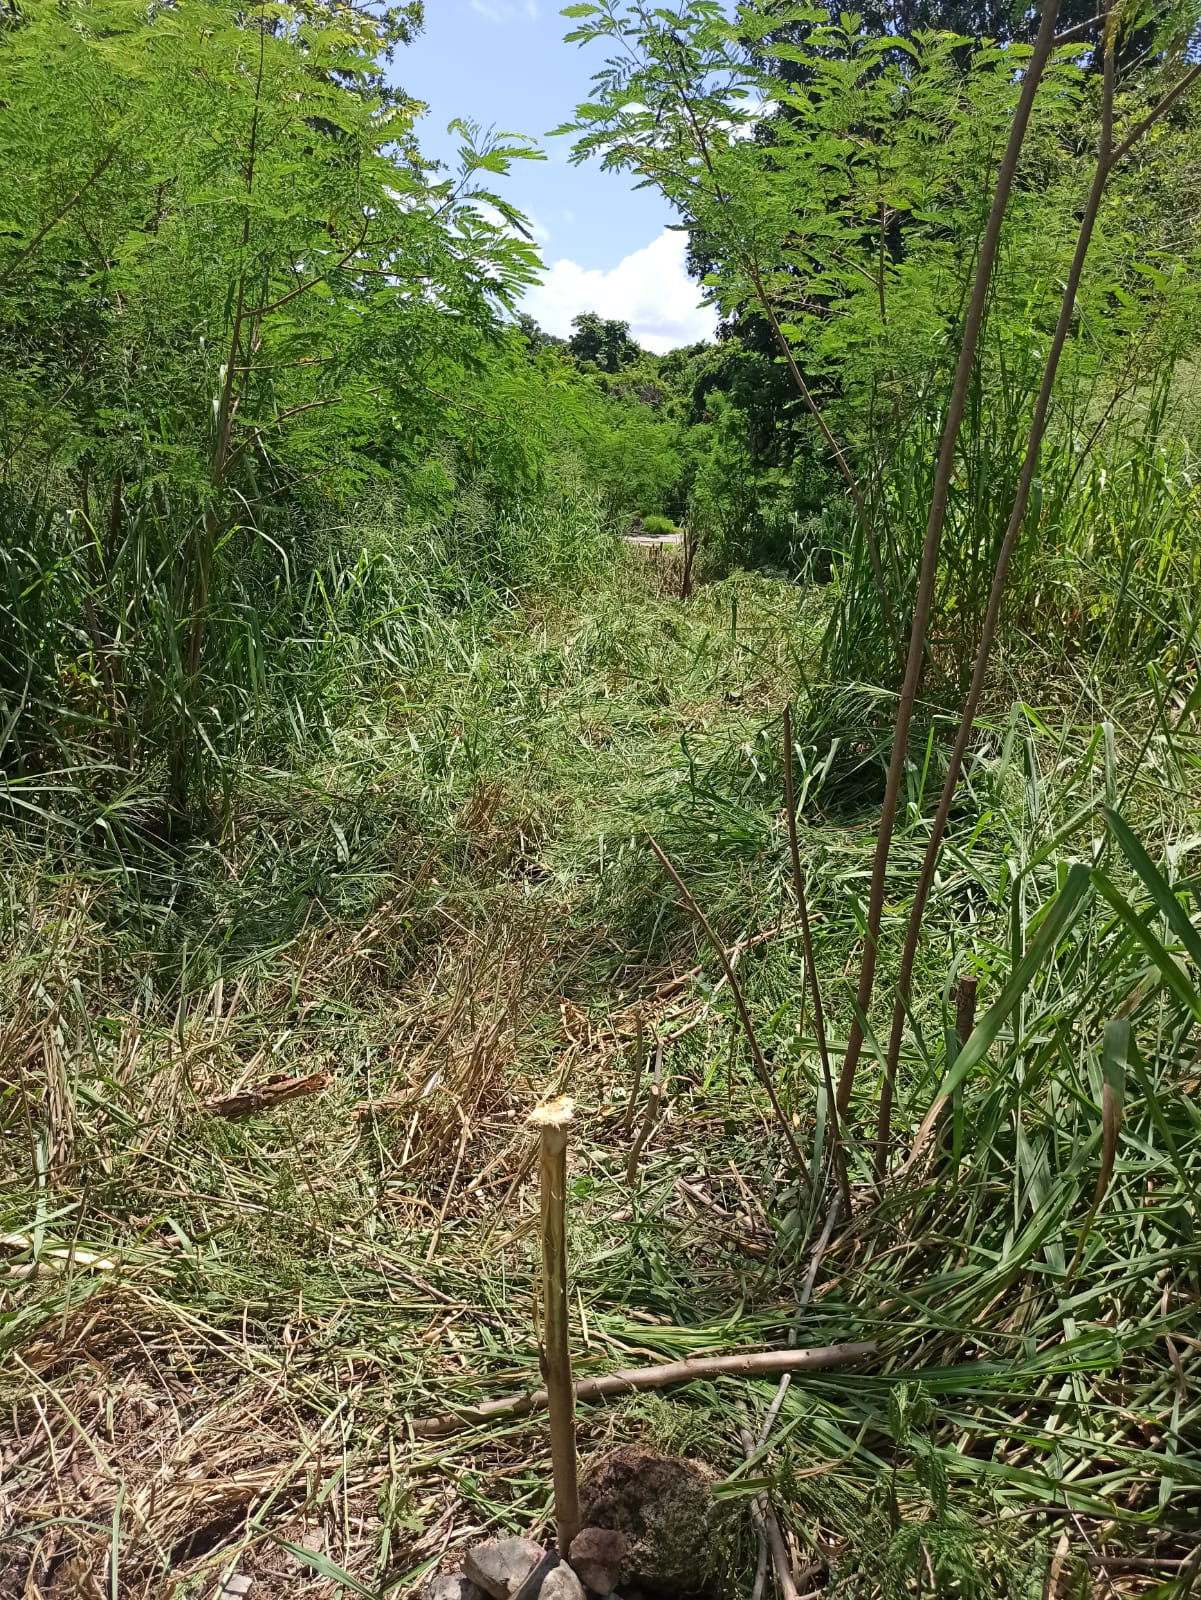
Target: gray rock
x,y
561,1583
452,1586
597,1555
502,1566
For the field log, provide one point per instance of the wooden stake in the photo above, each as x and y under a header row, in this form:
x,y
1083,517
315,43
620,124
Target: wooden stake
x,y
553,1121
965,1006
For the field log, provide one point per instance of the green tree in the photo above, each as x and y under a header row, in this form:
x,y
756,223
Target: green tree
x,y
606,344
835,183
535,336
226,274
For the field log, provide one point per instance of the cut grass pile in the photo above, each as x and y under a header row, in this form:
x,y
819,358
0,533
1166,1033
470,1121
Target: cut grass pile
x,y
217,1331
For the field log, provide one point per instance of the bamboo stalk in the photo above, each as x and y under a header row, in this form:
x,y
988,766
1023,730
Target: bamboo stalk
x,y
654,1105
1107,159
553,1121
928,571
751,1364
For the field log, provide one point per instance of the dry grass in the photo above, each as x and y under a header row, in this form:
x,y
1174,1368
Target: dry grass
x,y
217,1330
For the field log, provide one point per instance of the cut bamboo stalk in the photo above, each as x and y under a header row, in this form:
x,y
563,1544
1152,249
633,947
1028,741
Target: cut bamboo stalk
x,y
748,1364
654,1105
639,1066
965,1006
553,1120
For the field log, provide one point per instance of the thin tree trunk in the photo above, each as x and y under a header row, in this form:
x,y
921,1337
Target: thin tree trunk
x,y
929,567
209,532
1107,159
835,449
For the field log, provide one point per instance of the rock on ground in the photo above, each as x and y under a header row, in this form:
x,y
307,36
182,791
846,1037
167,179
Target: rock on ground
x,y
561,1583
596,1555
502,1566
452,1586
664,1505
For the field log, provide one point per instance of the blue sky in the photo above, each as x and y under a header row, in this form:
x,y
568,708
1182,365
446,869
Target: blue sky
x,y
606,246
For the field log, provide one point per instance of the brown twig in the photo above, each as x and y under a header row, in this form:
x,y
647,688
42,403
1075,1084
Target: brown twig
x,y
265,1096
819,1251
769,1524
1111,1127
464,1137
1138,1563
757,1056
752,1364
627,1122
654,1105
96,174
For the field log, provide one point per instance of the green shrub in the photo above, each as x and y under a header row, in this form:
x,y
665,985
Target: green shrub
x,y
656,524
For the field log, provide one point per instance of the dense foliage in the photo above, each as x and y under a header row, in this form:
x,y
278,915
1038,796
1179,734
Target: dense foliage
x,y
235,301
835,182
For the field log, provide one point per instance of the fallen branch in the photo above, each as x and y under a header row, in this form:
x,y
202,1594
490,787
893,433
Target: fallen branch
x,y
751,1364
266,1096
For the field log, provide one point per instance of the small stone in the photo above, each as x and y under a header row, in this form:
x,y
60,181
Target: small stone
x,y
502,1566
561,1583
597,1554
452,1586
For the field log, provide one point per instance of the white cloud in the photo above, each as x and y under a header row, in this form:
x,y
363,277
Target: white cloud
x,y
650,289
506,10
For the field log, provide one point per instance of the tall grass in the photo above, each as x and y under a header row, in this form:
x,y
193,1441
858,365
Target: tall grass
x,y
97,709
1104,568
451,907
